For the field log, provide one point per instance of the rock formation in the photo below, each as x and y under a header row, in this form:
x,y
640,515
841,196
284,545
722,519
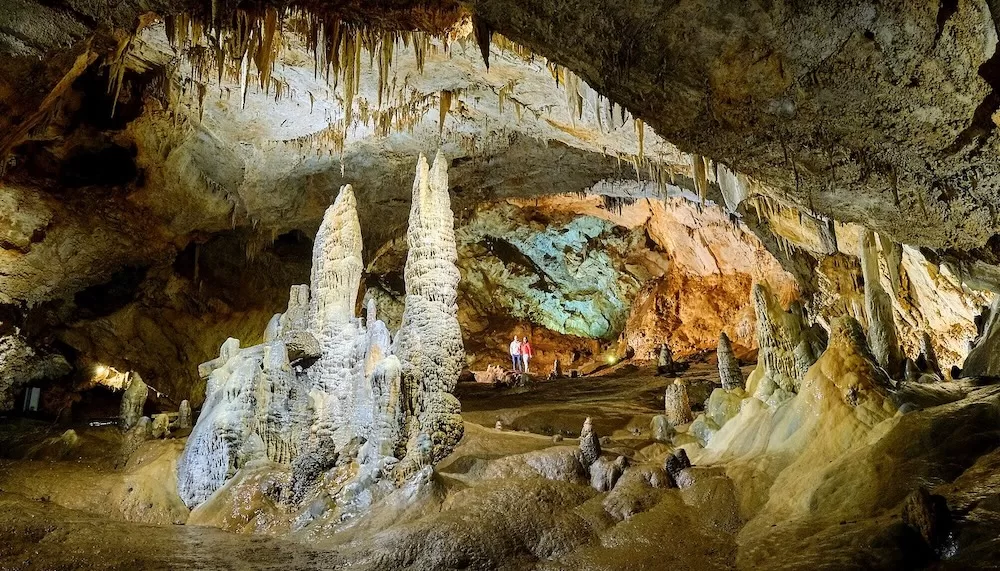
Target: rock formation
x,y
784,354
665,361
661,428
590,444
133,401
878,307
184,415
983,359
324,386
429,342
729,368
676,403
557,372
21,364
931,364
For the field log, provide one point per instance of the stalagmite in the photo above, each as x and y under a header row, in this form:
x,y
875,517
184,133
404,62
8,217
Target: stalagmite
x,y
779,373
557,372
665,361
590,445
429,341
324,386
910,372
160,427
676,404
878,306
133,401
930,356
661,428
184,415
729,368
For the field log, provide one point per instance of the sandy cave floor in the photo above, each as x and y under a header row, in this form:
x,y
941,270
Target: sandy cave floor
x,y
503,499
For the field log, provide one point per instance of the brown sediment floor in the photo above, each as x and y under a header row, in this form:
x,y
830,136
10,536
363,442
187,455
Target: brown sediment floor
x,y
517,499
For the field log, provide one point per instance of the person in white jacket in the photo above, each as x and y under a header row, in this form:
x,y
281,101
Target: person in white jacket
x,y
515,354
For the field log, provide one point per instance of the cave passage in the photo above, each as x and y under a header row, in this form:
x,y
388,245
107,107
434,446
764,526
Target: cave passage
x,y
499,285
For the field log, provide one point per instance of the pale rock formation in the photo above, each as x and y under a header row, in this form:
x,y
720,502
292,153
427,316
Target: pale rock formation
x,y
677,404
557,372
184,415
590,445
133,400
429,341
160,427
20,364
248,394
325,389
878,308
781,361
910,372
661,428
729,368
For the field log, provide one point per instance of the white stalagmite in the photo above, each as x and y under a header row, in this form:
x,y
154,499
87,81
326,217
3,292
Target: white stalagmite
x,y
336,264
878,307
429,341
359,385
335,381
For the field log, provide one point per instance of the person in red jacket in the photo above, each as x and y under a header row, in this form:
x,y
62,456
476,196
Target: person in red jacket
x,y
526,353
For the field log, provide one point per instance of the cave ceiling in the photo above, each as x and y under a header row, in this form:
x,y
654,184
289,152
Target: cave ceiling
x,y
148,140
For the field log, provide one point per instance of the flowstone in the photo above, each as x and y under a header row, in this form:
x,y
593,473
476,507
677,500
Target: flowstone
x,y
326,387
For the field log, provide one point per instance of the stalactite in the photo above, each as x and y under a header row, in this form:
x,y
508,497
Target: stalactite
x,y
445,106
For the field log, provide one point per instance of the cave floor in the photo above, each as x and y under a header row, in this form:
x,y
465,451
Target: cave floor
x,y
509,499
70,507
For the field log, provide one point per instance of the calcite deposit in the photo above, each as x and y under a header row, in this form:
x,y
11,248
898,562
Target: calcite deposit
x,y
383,401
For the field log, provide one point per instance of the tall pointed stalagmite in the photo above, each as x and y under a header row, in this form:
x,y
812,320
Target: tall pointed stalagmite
x,y
878,307
337,392
729,368
337,265
429,342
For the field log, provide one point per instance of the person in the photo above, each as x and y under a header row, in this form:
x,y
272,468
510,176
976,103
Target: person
x,y
515,354
526,353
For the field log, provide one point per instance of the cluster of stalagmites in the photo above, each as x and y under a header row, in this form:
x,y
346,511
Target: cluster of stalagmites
x,y
789,344
325,388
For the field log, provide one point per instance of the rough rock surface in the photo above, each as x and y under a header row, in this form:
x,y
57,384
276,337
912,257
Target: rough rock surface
x,y
364,397
20,364
677,404
133,401
729,368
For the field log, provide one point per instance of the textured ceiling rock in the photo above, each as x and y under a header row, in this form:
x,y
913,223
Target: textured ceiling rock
x,y
871,113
